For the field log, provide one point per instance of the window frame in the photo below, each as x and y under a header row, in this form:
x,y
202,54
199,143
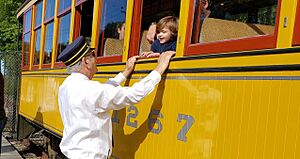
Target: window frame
x,y
135,36
104,59
296,36
23,36
231,45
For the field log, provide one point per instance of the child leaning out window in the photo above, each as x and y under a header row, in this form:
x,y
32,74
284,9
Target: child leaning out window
x,y
166,29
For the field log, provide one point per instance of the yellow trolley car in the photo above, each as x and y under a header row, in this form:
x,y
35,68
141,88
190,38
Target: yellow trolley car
x,y
231,91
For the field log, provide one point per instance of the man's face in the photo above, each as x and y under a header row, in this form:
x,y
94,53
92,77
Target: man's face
x,y
164,35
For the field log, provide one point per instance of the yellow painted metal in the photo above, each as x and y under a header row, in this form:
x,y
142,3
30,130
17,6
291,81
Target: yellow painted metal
x,y
128,21
229,115
182,27
42,44
72,24
32,38
55,34
209,115
287,14
95,23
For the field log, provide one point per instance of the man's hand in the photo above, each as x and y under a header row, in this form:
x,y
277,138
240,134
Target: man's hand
x,y
129,66
163,61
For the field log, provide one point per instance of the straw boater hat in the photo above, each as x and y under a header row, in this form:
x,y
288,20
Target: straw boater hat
x,y
74,51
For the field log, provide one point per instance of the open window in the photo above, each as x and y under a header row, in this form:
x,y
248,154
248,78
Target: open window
x,y
147,12
110,41
26,38
231,25
296,38
84,18
37,34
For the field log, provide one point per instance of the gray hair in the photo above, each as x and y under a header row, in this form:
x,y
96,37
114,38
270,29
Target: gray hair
x,y
74,68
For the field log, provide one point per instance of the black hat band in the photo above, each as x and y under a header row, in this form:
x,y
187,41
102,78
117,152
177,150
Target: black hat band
x,y
73,60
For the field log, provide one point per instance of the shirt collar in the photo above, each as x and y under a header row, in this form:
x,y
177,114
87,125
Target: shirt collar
x,y
79,76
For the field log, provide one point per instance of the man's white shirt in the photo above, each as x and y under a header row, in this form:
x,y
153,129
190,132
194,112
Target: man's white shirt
x,y
84,107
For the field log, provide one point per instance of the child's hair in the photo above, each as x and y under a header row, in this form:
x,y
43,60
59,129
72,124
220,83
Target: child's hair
x,y
171,23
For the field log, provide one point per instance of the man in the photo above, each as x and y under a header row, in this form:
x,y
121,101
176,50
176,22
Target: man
x,y
2,111
85,104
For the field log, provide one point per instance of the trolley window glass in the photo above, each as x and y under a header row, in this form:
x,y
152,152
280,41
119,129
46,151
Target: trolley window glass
x,y
110,40
38,15
64,33
37,50
50,8
48,43
64,16
26,47
26,39
49,29
64,5
37,34
233,25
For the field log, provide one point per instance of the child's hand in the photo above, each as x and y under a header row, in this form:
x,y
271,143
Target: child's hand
x,y
153,55
145,54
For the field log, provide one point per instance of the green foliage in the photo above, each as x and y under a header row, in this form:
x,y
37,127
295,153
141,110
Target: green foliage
x,y
9,24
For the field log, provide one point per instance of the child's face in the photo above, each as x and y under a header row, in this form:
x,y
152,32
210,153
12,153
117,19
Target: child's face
x,y
164,35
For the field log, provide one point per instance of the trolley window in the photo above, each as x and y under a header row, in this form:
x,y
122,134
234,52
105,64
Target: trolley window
x,y
37,33
48,43
296,38
50,8
64,5
26,38
63,33
49,29
64,26
233,25
110,41
37,50
38,14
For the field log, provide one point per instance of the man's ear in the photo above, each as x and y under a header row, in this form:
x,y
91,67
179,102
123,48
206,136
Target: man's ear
x,y
84,60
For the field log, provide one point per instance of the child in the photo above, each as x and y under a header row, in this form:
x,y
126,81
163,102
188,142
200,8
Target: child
x,y
167,29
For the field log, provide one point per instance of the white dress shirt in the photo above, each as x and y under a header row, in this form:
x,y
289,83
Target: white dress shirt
x,y
84,107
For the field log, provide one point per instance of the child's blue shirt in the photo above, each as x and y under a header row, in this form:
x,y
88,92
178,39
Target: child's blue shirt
x,y
168,46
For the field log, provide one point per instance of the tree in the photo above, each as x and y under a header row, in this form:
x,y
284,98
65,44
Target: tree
x,y
9,25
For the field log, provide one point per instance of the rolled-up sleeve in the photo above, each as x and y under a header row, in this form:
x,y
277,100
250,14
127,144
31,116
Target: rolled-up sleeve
x,y
113,96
